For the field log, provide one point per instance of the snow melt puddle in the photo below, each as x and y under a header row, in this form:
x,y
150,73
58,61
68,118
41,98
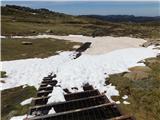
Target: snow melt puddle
x,y
92,69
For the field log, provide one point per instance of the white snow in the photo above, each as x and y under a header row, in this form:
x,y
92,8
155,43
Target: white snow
x,y
23,117
19,117
125,102
31,71
71,72
24,86
100,45
52,111
118,102
27,101
49,85
56,95
125,97
75,72
2,36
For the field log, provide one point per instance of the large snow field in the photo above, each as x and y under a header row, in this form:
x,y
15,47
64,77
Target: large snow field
x,y
100,45
31,71
71,72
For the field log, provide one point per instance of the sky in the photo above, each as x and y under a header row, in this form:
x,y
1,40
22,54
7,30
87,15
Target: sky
x,y
137,8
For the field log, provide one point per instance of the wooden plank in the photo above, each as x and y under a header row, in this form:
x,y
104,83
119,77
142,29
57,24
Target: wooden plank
x,y
45,88
72,104
123,117
43,93
53,116
82,94
40,100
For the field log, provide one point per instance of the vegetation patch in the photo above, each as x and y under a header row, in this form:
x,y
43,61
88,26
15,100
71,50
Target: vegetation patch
x,y
13,49
3,74
144,94
11,99
17,20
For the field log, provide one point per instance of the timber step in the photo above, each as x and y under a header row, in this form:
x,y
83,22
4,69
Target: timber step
x,y
45,88
71,105
49,77
43,93
40,100
53,82
123,117
98,112
82,94
89,104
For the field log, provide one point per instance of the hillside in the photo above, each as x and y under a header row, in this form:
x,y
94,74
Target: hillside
x,y
125,18
17,20
118,66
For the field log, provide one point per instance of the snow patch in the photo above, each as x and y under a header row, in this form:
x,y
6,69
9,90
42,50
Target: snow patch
x,y
2,37
23,117
125,97
32,71
92,69
118,102
57,95
100,45
24,86
52,111
27,101
125,102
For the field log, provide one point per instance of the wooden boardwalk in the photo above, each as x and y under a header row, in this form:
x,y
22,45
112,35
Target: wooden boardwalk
x,y
89,104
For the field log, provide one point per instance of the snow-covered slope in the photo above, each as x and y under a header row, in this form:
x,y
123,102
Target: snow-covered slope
x,y
100,45
31,71
71,72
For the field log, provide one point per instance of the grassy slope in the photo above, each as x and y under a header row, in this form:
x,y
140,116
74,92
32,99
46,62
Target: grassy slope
x,y
15,22
11,99
12,49
144,94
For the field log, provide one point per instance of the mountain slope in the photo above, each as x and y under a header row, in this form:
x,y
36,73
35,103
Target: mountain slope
x,y
17,20
125,18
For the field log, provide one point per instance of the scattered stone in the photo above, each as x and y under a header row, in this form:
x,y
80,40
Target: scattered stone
x,y
125,97
118,102
49,31
74,88
149,43
33,31
24,54
125,102
66,90
142,61
76,46
26,43
2,81
158,55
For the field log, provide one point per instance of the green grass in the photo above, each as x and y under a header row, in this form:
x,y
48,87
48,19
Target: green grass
x,y
11,99
88,29
3,74
12,49
144,95
20,22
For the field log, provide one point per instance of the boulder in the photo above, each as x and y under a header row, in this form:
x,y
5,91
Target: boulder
x,y
26,43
